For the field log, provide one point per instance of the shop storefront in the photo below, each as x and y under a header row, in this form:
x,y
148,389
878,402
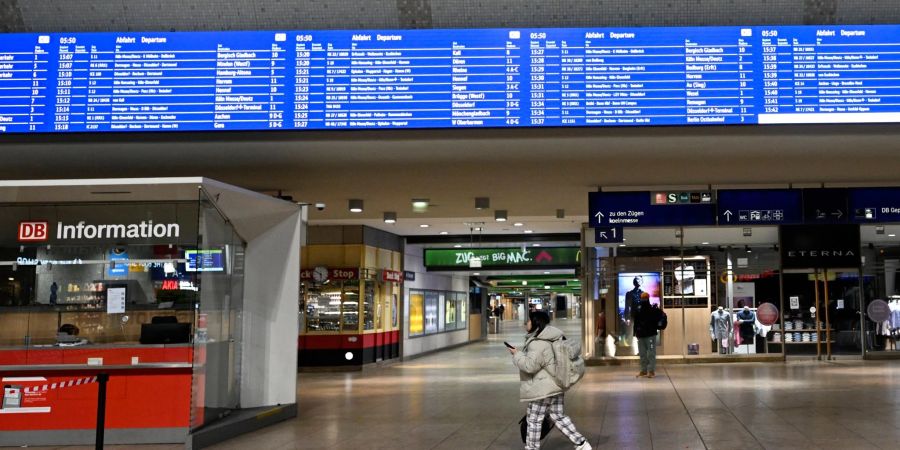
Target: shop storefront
x,y
718,287
163,285
814,286
350,297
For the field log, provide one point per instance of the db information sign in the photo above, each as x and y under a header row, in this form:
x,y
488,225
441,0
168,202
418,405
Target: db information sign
x,y
33,231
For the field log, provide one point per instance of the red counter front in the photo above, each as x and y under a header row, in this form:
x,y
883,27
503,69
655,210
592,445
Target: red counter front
x,y
149,392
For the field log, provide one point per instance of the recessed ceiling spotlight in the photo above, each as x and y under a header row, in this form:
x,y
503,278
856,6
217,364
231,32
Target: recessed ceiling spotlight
x,y
518,224
560,214
546,272
444,233
748,249
355,205
535,245
476,274
500,215
424,225
528,231
892,235
623,245
482,203
457,246
390,217
477,229
704,243
420,204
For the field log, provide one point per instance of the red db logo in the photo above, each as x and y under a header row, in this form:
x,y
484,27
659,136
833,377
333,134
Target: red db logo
x,y
33,231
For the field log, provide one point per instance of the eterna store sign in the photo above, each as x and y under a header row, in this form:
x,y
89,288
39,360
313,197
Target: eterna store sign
x,y
820,246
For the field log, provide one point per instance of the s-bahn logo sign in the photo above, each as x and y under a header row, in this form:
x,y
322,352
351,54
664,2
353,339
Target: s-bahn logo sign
x,y
39,231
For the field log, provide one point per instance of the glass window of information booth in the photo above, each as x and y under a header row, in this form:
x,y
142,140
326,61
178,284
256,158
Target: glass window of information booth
x,y
719,287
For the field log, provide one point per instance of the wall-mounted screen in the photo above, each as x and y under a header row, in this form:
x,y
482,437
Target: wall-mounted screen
x,y
461,78
204,260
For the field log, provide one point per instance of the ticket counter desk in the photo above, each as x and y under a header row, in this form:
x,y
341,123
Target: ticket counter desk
x,y
161,318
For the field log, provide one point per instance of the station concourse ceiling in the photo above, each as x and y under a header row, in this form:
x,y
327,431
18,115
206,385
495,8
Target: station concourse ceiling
x,y
528,172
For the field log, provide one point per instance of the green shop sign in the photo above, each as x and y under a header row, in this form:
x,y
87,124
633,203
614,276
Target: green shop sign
x,y
516,257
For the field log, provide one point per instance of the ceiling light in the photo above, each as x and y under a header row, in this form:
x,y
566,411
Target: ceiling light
x,y
482,203
623,245
355,205
560,214
476,274
748,249
457,246
518,224
704,243
477,229
546,286
420,204
500,215
535,245
424,225
524,283
528,231
546,272
892,235
444,233
390,217
12,279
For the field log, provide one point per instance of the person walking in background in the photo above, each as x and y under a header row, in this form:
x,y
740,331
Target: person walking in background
x,y
646,322
538,387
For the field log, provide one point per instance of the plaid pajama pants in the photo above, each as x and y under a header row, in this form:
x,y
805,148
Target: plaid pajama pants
x,y
553,406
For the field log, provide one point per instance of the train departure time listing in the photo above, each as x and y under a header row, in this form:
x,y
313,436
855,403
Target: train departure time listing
x,y
258,80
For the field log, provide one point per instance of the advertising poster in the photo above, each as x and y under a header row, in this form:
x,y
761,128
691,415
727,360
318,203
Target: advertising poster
x,y
744,295
632,285
416,314
431,312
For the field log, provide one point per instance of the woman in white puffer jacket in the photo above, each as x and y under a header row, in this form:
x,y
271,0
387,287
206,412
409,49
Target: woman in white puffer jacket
x,y
544,396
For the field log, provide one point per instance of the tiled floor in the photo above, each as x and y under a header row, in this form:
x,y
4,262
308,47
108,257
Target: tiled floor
x,y
467,398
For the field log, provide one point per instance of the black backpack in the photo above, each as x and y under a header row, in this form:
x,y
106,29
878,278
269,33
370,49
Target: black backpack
x,y
663,321
545,427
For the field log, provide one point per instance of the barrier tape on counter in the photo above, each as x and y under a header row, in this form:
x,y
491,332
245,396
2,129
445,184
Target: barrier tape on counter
x,y
61,384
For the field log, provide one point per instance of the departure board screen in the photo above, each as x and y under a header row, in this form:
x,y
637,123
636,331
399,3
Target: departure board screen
x,y
462,78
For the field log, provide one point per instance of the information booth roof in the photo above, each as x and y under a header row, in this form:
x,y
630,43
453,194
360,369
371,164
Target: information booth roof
x,y
250,212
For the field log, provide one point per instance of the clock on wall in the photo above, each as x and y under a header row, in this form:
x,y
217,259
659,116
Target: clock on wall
x,y
320,274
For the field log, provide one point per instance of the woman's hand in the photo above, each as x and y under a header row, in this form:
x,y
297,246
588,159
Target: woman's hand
x,y
512,351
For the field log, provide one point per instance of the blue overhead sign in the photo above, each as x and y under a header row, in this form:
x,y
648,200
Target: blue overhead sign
x,y
874,205
609,235
760,207
639,209
826,206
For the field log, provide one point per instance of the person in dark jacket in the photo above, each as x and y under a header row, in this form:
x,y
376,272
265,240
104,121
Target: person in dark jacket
x,y
646,323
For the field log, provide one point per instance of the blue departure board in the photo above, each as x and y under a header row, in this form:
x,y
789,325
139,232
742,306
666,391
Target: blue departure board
x,y
100,82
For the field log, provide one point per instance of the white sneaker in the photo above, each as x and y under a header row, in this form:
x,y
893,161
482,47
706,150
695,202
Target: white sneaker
x,y
584,446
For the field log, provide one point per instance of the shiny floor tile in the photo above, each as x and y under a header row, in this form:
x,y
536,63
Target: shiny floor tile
x,y
467,398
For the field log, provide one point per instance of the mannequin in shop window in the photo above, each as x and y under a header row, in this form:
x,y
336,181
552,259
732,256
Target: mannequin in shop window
x,y
746,320
720,328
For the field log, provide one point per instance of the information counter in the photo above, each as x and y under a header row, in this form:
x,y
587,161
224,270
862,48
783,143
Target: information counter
x,y
145,320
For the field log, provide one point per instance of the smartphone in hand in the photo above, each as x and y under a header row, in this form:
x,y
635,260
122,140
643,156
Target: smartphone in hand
x,y
507,345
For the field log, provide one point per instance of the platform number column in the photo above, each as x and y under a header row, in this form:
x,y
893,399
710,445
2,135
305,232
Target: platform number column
x,y
513,79
38,98
745,76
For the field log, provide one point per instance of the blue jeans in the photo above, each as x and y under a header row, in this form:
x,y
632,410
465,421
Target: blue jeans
x,y
647,350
